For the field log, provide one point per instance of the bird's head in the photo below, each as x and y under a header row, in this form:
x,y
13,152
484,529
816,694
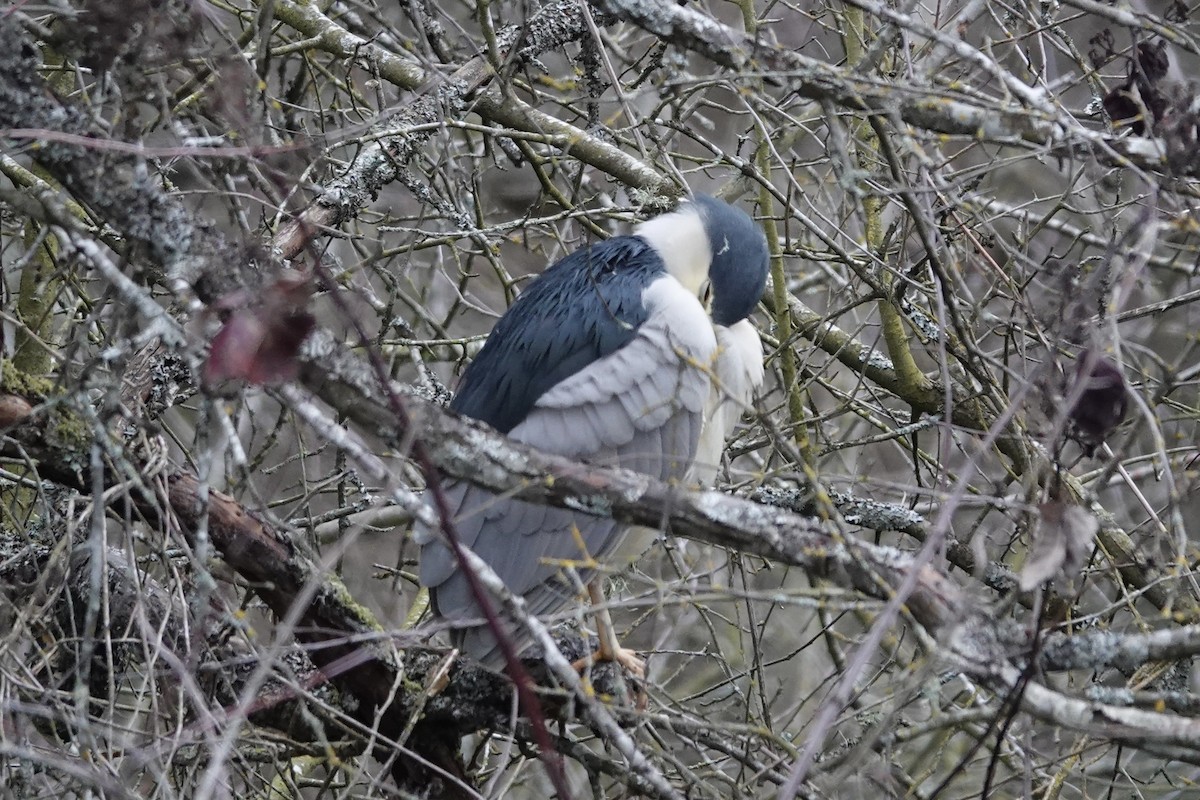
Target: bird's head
x,y
716,251
738,271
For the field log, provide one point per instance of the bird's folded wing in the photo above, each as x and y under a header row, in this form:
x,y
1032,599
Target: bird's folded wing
x,y
637,407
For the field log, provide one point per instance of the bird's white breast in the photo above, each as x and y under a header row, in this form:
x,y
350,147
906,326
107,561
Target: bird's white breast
x,y
738,373
676,309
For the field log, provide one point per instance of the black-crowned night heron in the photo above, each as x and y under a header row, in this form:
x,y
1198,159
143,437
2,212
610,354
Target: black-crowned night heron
x,y
633,352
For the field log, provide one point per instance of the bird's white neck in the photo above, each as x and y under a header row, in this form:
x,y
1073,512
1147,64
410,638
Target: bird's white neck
x,y
682,243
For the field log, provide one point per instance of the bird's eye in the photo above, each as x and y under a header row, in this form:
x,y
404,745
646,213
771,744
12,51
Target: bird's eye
x,y
706,294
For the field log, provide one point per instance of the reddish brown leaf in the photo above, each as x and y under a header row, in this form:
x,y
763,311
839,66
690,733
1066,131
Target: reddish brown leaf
x,y
259,342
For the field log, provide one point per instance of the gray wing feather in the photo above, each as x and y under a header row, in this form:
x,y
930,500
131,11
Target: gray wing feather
x,y
640,407
470,511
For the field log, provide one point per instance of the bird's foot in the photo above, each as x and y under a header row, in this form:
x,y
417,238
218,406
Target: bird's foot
x,y
610,648
627,659
633,665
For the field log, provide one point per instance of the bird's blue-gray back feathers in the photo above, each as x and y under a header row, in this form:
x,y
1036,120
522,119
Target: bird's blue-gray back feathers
x,y
583,308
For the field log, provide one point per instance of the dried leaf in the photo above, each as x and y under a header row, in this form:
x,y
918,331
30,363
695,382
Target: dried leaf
x,y
1101,403
13,410
1150,61
259,343
1061,544
1139,99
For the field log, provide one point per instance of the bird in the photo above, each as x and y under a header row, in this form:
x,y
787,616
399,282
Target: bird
x,y
636,351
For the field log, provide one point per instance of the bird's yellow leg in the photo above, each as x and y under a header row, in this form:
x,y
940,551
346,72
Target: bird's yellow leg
x,y
610,648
